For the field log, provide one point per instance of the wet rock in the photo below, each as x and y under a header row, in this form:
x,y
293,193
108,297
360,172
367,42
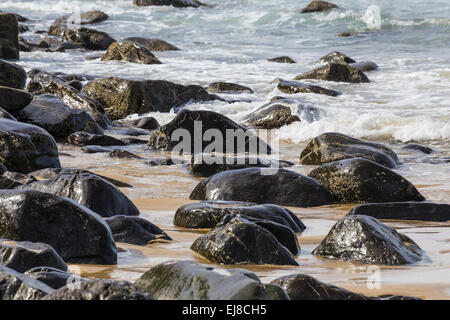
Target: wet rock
x,y
346,34
282,59
361,180
364,66
335,72
130,52
206,165
24,255
75,232
67,45
364,239
147,123
95,149
131,141
188,280
207,214
152,44
25,148
273,116
3,169
123,154
19,177
122,97
318,6
54,278
13,100
89,190
335,57
282,187
425,211
47,83
332,146
12,75
99,290
160,162
134,230
304,287
64,22
17,286
130,132
197,123
236,240
9,32
418,147
50,113
227,87
6,115
292,87
82,138
174,3
89,39
8,183
305,111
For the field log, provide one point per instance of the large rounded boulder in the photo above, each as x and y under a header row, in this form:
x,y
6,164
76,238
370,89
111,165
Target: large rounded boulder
x,y
364,239
152,44
130,52
361,180
12,75
319,6
282,187
272,116
14,100
89,39
335,72
75,232
9,32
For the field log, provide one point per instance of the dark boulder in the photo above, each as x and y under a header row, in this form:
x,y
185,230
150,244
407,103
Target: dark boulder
x,y
17,286
121,97
174,3
123,154
305,111
134,230
208,214
13,100
9,36
236,240
89,190
160,162
89,39
272,116
364,239
82,138
335,57
291,87
50,113
6,115
58,27
147,123
188,280
130,52
75,232
95,149
25,148
364,66
332,146
282,187
319,6
12,75
419,148
282,59
196,123
8,183
227,87
361,180
24,255
335,72
54,278
152,44
425,211
99,290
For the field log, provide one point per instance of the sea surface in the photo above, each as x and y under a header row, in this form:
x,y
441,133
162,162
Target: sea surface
x,y
407,101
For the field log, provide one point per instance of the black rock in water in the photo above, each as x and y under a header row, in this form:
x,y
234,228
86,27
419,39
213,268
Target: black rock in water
x,y
153,44
292,87
227,87
12,75
282,59
364,239
89,39
130,52
9,36
319,6
335,57
361,180
13,100
54,278
272,116
335,72
419,148
82,138
174,3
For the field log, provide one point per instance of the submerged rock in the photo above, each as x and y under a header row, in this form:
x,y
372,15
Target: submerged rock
x,y
89,39
134,230
419,148
89,190
17,286
147,123
282,187
130,52
272,116
364,66
196,123
50,113
99,290
121,97
65,22
12,75
292,87
236,240
174,3
14,100
208,214
54,278
227,87
318,6
282,59
9,32
188,280
75,232
361,180
425,211
364,239
332,146
335,72
152,44
335,57
24,255
82,138
123,154
25,148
